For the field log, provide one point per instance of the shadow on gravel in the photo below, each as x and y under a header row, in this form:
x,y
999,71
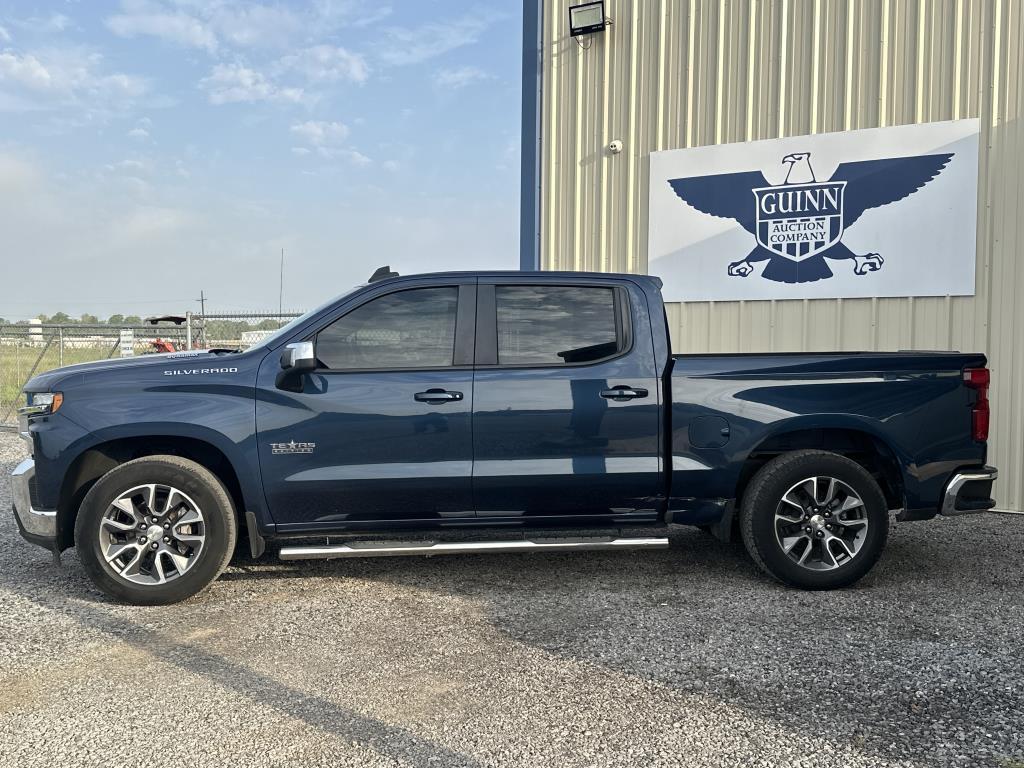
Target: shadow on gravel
x,y
322,713
919,662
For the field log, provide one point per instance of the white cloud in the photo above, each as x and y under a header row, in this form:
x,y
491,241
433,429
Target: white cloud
x,y
320,133
220,27
127,85
415,45
356,158
58,21
261,26
135,166
460,77
141,130
210,26
59,77
55,22
229,83
390,165
145,19
25,71
331,14
327,63
378,13
328,140
5,36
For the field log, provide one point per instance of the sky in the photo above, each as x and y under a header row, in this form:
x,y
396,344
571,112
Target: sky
x,y
153,149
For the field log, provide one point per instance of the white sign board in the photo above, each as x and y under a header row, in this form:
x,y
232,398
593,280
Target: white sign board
x,y
127,342
877,212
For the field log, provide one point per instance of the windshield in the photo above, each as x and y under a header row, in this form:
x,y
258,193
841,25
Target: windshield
x,y
285,330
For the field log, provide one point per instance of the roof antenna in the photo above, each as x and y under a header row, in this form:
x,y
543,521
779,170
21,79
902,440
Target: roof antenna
x,y
383,273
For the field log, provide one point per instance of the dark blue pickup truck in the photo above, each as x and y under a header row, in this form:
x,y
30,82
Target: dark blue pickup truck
x,y
524,411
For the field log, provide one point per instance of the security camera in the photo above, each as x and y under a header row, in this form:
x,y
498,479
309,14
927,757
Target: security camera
x,y
615,147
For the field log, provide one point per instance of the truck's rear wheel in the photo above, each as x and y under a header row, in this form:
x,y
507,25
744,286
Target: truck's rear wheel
x,y
156,530
814,519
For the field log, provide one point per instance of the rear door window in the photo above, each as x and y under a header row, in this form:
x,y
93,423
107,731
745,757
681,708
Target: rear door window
x,y
550,325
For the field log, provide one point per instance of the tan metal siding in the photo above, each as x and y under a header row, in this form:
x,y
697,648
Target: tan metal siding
x,y
682,73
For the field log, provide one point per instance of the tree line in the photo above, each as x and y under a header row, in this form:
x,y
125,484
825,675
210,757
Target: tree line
x,y
62,318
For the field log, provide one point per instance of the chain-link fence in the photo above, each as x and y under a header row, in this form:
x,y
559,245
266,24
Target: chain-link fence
x,y
30,348
236,331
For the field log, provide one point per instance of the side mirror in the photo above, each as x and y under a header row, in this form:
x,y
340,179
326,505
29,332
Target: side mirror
x,y
299,357
296,359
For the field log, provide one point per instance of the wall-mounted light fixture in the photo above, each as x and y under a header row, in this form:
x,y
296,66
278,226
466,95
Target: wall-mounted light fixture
x,y
587,18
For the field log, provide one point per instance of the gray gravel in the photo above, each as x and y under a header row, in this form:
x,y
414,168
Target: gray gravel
x,y
685,657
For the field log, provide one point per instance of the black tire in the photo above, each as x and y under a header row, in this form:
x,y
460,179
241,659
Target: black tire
x,y
764,495
201,485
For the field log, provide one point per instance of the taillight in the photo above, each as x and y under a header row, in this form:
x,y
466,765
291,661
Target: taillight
x,y
978,379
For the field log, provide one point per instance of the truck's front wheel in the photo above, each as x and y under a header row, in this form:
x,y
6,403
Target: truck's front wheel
x,y
155,530
814,519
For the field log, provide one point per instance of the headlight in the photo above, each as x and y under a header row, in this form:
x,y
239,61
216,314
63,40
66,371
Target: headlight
x,y
42,403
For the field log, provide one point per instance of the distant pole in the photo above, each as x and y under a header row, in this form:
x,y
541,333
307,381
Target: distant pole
x,y
280,291
202,313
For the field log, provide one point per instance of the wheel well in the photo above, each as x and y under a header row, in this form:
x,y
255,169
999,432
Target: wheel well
x,y
864,448
100,459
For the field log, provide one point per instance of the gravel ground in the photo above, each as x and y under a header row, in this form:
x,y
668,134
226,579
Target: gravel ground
x,y
684,657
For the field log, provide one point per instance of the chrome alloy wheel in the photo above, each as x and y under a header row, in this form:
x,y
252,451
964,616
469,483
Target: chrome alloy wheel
x,y
821,523
152,534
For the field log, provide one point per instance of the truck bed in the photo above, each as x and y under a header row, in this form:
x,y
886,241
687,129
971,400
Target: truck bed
x,y
727,408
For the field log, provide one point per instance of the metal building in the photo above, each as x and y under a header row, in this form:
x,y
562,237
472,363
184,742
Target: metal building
x,y
669,74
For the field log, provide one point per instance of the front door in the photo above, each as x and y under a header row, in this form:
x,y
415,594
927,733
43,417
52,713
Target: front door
x,y
381,430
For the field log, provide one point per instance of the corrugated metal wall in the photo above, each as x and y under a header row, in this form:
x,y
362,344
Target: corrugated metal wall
x,y
682,73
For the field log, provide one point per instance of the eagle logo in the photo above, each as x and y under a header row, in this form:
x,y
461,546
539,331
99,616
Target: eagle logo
x,y
799,223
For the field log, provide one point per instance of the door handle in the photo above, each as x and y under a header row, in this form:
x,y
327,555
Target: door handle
x,y
622,393
437,396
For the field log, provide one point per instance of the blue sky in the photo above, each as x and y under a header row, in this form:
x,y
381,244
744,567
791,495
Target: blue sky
x,y
153,148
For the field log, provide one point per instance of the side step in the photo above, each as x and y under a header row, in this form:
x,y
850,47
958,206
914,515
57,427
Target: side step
x,y
428,548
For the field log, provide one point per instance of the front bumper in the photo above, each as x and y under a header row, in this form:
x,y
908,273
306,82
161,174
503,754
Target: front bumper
x,y
37,525
969,491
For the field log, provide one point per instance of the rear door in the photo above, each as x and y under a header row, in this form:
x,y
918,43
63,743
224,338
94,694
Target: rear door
x,y
381,430
566,401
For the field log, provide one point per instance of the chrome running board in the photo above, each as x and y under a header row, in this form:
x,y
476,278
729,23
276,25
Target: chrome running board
x,y
429,548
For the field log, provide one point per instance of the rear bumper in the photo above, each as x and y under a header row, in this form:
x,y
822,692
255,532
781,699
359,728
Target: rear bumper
x,y
969,491
37,525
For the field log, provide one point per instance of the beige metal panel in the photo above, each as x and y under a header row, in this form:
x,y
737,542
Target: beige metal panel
x,y
681,73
